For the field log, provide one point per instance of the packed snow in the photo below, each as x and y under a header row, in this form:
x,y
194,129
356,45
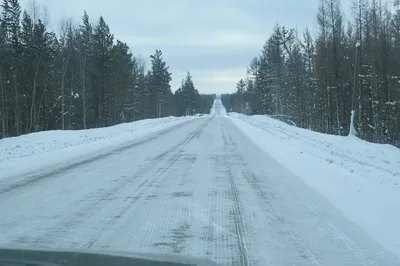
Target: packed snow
x,y
226,187
49,150
361,179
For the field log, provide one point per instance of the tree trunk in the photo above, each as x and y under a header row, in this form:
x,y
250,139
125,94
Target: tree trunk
x,y
65,67
83,84
3,112
115,111
33,104
360,61
335,68
39,124
352,131
71,97
17,112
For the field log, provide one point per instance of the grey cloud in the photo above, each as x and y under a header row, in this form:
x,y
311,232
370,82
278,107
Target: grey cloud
x,y
214,39
219,62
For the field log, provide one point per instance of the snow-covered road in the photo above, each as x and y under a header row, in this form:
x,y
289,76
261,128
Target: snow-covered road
x,y
202,189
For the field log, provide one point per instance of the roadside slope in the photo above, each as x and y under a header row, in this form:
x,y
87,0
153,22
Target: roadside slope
x,y
359,178
44,152
203,189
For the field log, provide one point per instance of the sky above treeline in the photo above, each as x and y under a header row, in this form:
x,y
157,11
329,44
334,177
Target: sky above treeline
x,y
213,39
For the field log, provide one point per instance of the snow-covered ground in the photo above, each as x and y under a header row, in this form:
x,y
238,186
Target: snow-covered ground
x,y
361,179
193,186
46,151
47,141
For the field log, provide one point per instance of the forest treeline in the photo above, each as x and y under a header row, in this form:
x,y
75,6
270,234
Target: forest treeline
x,y
316,81
81,78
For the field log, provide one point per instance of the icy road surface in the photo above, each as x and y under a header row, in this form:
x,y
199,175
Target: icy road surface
x,y
202,189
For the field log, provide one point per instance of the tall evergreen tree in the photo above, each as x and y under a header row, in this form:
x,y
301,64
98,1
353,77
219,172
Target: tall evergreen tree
x,y
345,75
81,78
159,87
11,25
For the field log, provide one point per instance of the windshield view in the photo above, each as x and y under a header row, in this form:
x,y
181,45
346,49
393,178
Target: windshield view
x,y
177,132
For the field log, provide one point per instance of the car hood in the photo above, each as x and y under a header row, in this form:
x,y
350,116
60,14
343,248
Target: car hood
x,y
76,257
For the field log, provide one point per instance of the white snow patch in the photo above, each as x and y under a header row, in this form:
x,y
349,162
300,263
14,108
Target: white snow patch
x,y
23,155
361,179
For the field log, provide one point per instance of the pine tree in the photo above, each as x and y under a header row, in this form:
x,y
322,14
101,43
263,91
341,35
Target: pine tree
x,y
123,81
310,82
344,80
85,50
4,97
11,24
81,78
187,98
189,95
159,79
103,43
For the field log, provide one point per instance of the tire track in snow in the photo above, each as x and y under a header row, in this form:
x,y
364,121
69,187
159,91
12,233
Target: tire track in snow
x,y
305,253
223,243
254,182
295,225
243,255
161,210
33,179
239,224
160,205
159,174
151,208
311,257
211,219
178,225
147,187
62,228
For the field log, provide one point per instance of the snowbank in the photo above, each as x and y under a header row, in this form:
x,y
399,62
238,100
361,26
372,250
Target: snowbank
x,y
361,179
45,151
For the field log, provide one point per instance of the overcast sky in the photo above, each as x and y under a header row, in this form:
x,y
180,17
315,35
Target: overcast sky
x,y
213,39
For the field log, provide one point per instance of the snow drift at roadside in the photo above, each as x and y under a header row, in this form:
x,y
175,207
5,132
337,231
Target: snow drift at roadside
x,y
23,155
359,178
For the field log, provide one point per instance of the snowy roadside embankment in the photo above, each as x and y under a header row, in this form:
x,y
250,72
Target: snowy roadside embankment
x,y
361,179
50,150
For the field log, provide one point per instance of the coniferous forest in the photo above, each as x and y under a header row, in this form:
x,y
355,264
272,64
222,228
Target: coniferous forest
x,y
81,78
351,64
